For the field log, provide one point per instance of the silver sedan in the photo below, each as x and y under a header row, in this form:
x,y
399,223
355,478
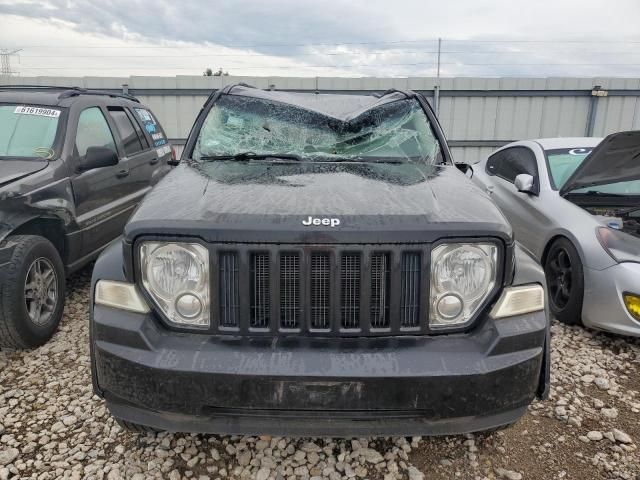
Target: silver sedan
x,y
574,203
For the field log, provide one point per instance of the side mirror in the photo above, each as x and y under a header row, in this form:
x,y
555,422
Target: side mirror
x,y
465,168
98,157
525,183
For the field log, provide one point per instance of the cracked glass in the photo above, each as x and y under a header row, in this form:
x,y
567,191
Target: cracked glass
x,y
397,131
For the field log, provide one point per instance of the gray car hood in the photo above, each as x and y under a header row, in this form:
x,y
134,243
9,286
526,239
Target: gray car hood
x,y
615,159
12,170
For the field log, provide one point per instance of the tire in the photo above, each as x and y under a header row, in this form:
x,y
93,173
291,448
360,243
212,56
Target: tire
x,y
135,427
30,316
565,282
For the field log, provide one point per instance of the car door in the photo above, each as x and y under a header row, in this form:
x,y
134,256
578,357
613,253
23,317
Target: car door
x,y
104,197
523,210
139,157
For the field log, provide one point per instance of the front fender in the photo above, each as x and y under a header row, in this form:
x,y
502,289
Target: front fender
x,y
529,270
109,266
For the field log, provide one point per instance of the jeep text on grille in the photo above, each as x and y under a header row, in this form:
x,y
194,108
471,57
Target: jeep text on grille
x,y
331,222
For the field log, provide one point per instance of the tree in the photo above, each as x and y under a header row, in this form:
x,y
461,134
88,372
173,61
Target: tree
x,y
210,73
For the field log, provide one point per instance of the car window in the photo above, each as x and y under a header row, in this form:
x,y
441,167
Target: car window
x,y
130,139
152,126
28,131
563,162
136,125
93,131
510,163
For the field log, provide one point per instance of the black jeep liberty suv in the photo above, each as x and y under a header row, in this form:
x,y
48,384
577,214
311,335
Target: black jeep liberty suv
x,y
74,163
318,265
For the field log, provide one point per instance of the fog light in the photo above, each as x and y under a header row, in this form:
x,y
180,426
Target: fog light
x,y
188,306
449,307
632,302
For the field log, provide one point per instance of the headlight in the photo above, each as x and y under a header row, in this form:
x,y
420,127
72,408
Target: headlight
x,y
621,246
463,275
176,276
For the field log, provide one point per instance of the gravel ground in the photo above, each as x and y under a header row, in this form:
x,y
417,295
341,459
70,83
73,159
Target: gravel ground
x,y
51,426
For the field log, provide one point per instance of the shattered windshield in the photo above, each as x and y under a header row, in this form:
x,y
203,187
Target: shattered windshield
x,y
27,131
248,127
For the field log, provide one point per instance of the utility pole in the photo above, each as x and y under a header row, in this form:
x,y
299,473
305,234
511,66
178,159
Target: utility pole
x,y
436,88
5,61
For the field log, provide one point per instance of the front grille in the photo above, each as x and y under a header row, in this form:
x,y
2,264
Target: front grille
x,y
260,304
229,290
380,290
410,290
350,290
289,290
325,290
320,290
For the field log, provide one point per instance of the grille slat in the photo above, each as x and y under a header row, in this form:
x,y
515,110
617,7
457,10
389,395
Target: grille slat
x,y
350,286
320,288
380,280
289,290
410,290
229,290
260,291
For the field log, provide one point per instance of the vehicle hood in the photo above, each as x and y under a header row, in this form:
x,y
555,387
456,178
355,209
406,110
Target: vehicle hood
x,y
615,159
268,202
13,170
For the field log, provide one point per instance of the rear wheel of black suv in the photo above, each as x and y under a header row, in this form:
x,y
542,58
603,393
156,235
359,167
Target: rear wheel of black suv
x,y
31,293
565,282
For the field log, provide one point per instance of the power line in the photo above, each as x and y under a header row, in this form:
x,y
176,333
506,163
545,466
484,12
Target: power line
x,y
384,52
460,64
390,42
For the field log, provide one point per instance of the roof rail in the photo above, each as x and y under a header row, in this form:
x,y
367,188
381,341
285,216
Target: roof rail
x,y
67,92
36,87
76,91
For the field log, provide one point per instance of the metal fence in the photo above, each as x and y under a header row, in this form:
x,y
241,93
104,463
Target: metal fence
x,y
477,114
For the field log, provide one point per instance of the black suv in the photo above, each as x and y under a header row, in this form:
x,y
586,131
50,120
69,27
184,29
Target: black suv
x,y
317,265
74,163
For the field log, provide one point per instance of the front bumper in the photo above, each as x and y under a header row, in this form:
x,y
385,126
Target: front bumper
x,y
313,386
603,307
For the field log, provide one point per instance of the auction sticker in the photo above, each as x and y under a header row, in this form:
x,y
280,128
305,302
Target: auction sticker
x,y
41,112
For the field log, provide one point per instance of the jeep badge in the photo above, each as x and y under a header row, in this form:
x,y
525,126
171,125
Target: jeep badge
x,y
329,222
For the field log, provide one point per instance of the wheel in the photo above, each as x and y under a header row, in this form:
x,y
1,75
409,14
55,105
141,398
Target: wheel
x,y
565,282
136,427
31,293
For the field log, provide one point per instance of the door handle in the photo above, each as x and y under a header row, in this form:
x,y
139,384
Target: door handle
x,y
490,189
153,161
122,173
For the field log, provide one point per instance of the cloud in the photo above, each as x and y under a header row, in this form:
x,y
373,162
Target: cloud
x,y
341,37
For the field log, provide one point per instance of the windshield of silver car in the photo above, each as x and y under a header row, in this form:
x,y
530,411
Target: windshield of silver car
x,y
27,131
247,128
563,162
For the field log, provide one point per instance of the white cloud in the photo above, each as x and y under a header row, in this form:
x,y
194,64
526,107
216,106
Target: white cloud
x,y
319,38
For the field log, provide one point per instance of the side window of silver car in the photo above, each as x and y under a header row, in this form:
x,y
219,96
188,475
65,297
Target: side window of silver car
x,y
511,162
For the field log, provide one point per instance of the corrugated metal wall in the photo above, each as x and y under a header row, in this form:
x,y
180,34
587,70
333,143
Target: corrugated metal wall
x,y
477,114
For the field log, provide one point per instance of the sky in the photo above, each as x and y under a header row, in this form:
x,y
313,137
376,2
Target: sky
x,y
354,38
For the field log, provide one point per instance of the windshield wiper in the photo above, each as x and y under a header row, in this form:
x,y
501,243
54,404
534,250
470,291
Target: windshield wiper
x,y
393,161
247,156
597,193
